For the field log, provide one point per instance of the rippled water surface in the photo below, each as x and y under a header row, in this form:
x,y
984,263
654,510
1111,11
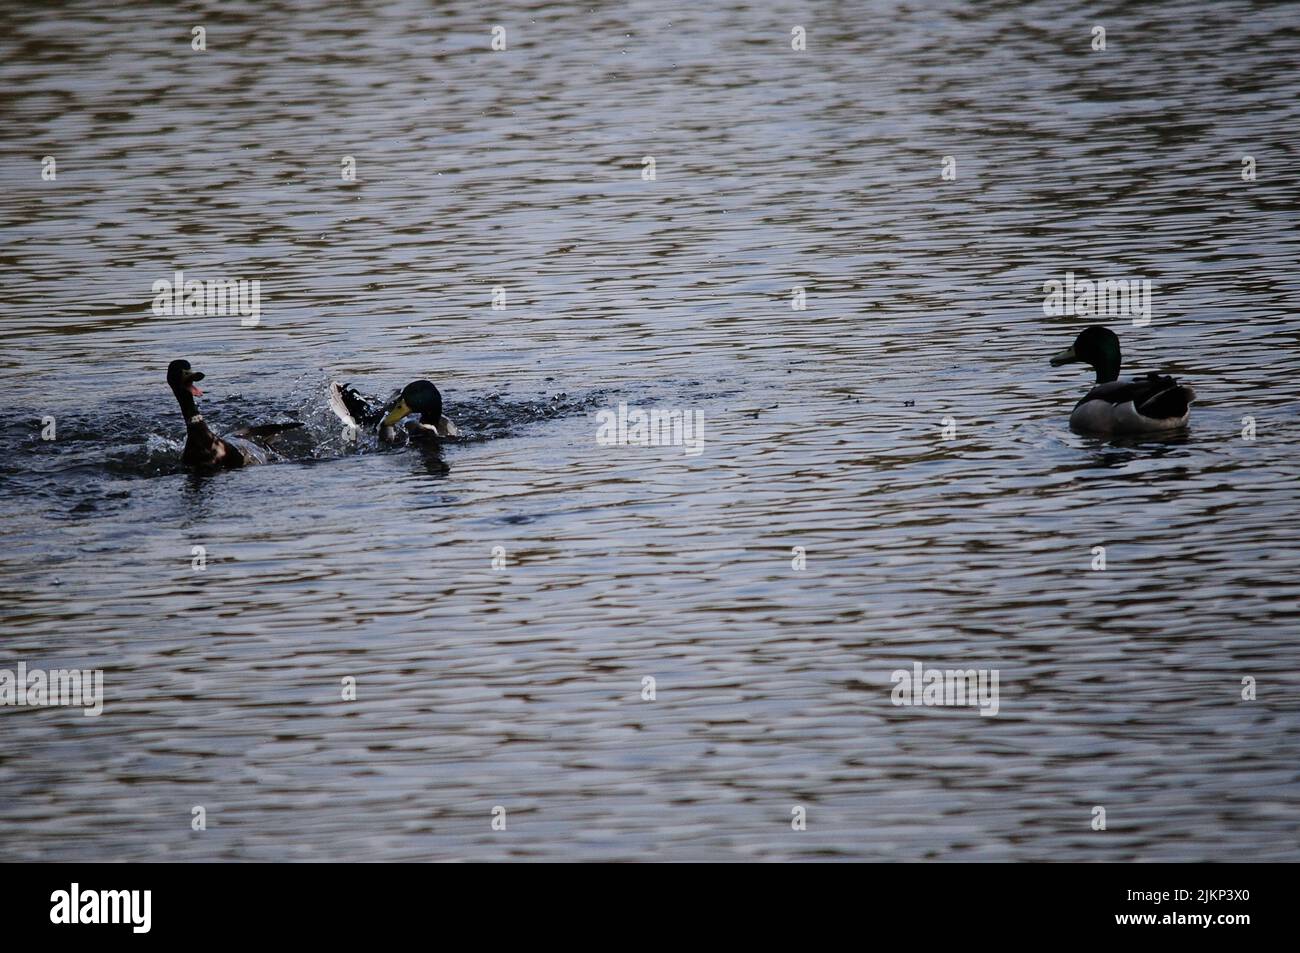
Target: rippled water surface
x,y
823,429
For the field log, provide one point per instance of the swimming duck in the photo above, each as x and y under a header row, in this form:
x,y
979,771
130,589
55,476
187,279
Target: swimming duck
x,y
418,397
1141,405
203,448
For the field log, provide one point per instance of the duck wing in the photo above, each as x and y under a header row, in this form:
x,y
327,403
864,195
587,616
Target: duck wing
x,y
238,451
1112,392
265,433
1154,396
354,407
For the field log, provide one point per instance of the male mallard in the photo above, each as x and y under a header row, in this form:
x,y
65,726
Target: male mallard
x,y
418,397
203,448
1142,405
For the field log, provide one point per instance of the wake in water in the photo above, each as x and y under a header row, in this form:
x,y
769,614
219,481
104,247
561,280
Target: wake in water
x,y
145,438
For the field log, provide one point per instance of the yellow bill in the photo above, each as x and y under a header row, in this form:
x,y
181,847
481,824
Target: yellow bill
x,y
396,414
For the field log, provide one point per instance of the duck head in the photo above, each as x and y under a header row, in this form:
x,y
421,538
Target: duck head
x,y
183,384
182,378
418,397
1096,346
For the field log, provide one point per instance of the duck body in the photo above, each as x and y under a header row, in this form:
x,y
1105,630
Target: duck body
x,y
1155,403
420,399
203,448
1142,405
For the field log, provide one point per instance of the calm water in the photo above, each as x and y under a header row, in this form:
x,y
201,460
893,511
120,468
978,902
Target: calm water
x,y
822,429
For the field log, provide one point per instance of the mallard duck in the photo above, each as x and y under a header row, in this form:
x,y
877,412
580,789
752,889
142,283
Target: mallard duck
x,y
1141,405
203,448
418,397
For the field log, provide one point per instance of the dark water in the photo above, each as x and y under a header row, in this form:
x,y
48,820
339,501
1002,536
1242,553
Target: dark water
x,y
822,429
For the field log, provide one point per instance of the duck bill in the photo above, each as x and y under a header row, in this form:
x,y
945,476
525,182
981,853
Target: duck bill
x,y
396,414
193,387
1065,357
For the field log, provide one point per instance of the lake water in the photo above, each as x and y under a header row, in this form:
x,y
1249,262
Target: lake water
x,y
824,428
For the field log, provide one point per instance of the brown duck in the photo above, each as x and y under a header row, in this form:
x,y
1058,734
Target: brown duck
x,y
203,448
